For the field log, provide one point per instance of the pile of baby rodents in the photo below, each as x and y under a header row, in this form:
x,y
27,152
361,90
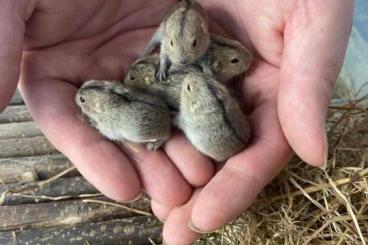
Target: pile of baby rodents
x,y
185,86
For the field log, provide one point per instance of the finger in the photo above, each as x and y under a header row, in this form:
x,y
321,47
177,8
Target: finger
x,y
243,177
254,23
161,211
12,29
161,180
194,166
176,230
315,44
102,163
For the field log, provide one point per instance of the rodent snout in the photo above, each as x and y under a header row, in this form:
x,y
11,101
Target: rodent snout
x,y
185,61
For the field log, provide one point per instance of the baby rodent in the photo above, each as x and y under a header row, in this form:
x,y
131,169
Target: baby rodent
x,y
123,113
183,35
227,58
141,74
143,70
211,119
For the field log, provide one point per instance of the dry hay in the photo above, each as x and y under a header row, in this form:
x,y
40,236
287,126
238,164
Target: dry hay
x,y
306,205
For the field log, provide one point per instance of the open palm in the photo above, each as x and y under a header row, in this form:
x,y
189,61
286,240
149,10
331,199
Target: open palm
x,y
68,42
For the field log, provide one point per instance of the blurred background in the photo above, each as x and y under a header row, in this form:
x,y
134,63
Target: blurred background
x,y
353,79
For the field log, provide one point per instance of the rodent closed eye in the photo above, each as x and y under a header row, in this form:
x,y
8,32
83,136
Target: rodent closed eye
x,y
234,61
189,88
195,43
171,43
82,99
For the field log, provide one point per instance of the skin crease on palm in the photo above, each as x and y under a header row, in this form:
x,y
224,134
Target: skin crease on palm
x,y
300,46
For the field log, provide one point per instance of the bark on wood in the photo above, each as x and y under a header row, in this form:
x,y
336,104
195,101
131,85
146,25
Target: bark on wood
x,y
14,175
17,99
63,213
25,169
34,146
62,187
136,230
19,130
15,113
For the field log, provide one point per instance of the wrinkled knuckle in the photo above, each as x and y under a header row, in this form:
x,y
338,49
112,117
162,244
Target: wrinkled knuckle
x,y
281,143
244,176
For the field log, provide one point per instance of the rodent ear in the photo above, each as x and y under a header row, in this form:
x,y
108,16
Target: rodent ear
x,y
216,91
127,96
123,94
204,26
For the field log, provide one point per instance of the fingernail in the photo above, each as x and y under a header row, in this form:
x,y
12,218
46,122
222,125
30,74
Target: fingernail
x,y
132,200
163,204
195,229
325,154
133,148
162,220
324,166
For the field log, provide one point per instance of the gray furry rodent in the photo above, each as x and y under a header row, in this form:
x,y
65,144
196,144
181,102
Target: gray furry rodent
x,y
211,119
183,35
141,76
123,113
143,70
227,58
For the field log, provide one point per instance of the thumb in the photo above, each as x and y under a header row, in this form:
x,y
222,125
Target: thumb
x,y
316,37
12,26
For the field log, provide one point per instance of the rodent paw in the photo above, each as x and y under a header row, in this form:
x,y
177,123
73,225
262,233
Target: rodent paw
x,y
152,146
161,74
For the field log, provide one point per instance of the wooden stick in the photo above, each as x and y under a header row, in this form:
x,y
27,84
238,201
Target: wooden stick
x,y
34,146
42,215
14,194
19,130
15,113
133,210
17,175
135,230
40,167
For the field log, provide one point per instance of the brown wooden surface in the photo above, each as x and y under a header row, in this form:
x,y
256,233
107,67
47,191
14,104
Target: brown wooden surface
x,y
19,130
17,99
30,193
63,213
41,167
128,231
15,113
22,147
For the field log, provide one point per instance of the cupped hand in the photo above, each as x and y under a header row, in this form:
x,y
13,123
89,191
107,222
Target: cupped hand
x,y
59,45
300,46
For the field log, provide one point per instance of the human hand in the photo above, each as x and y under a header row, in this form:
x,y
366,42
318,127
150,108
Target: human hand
x,y
301,45
68,42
